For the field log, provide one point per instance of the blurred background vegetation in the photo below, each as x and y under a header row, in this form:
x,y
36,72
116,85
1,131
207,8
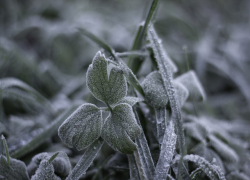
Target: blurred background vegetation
x,y
40,44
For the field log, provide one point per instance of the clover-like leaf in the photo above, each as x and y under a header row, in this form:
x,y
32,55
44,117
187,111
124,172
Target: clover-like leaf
x,y
192,83
155,93
82,127
120,128
109,88
45,171
14,170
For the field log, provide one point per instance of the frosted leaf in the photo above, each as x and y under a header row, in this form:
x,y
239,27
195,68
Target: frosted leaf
x,y
109,89
196,130
82,127
45,171
192,83
120,128
181,92
61,163
130,100
155,93
225,151
16,170
212,171
167,153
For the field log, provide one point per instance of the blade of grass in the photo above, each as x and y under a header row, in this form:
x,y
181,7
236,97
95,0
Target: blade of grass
x,y
145,158
46,134
6,149
132,63
164,68
86,160
134,174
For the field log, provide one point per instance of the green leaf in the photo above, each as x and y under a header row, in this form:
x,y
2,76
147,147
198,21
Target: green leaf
x,y
120,128
82,127
15,170
109,89
192,83
133,63
86,160
155,93
212,171
130,100
45,171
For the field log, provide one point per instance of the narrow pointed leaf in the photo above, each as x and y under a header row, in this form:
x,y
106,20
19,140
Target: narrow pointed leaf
x,y
121,128
166,74
167,153
192,83
44,135
15,170
85,161
82,127
143,151
12,87
109,89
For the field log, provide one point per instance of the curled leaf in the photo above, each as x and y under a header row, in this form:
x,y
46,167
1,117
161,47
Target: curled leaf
x,y
61,163
15,170
192,83
120,128
107,88
155,93
82,127
45,172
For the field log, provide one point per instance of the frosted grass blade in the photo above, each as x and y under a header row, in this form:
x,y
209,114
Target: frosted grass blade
x,y
165,70
141,33
144,153
86,160
166,154
47,133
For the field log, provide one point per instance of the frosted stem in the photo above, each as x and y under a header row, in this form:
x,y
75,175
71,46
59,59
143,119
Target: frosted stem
x,y
161,115
134,174
86,160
